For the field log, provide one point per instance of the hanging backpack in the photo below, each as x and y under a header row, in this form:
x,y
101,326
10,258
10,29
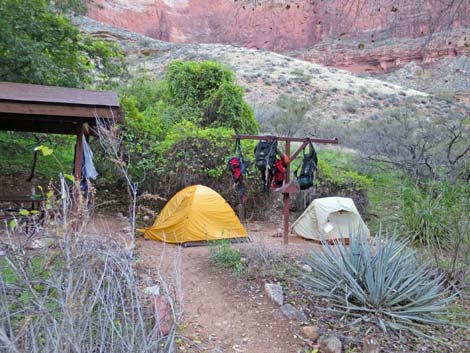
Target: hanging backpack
x,y
279,174
237,164
308,168
237,167
265,156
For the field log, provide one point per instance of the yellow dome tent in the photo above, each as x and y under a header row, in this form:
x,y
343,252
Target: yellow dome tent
x,y
195,214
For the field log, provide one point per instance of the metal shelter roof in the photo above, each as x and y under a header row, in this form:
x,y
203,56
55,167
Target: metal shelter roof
x,y
49,109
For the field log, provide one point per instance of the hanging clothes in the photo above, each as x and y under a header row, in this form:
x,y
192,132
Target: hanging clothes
x,y
88,168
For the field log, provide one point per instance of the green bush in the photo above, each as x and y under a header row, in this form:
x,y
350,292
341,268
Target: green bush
x,y
431,213
379,280
437,217
226,107
344,180
193,82
179,130
228,257
191,155
206,91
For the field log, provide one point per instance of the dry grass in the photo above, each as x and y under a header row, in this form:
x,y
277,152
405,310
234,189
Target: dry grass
x,y
64,289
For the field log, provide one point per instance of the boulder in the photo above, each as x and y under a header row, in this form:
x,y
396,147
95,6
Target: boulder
x,y
330,344
274,292
283,81
163,315
293,314
38,243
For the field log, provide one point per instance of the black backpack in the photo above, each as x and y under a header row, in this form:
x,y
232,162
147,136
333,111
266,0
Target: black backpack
x,y
308,168
265,156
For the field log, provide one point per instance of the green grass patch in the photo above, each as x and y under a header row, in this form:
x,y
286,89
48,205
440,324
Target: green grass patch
x,y
224,255
385,200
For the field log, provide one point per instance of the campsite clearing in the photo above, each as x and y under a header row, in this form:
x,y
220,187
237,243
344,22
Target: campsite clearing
x,y
220,313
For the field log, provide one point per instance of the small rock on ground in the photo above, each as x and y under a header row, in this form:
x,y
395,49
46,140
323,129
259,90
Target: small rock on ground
x,y
39,243
274,292
310,332
154,290
330,344
306,268
370,345
293,314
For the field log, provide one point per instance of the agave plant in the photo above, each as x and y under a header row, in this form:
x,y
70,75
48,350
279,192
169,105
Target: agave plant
x,y
379,280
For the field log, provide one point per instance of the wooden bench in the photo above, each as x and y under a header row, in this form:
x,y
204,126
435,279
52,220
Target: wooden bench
x,y
12,205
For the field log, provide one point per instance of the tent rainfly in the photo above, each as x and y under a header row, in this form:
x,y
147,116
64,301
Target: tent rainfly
x,y
195,214
330,218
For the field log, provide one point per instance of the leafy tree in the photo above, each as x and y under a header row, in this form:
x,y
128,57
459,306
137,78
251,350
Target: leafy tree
x,y
39,45
206,92
179,130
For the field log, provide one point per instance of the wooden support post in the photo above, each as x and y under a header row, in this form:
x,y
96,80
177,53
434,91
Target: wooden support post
x,y
285,196
78,163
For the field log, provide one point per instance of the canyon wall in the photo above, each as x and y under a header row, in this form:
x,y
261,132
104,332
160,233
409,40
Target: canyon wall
x,y
286,26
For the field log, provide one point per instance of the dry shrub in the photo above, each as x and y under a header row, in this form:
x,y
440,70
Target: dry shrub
x,y
79,296
65,289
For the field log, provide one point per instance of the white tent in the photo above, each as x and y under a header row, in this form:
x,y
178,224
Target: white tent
x,y
330,218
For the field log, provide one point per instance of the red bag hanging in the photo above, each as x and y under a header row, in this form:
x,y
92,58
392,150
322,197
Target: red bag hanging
x,y
279,174
235,168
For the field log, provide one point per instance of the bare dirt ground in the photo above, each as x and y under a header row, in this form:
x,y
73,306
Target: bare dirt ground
x,y
220,315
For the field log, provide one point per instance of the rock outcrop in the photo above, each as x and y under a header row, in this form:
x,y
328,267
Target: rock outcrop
x,y
339,26
390,54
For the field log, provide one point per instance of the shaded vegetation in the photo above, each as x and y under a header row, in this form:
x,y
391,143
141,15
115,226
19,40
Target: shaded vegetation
x,y
38,44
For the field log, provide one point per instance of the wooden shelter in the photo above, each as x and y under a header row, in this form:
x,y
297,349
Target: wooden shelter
x,y
56,110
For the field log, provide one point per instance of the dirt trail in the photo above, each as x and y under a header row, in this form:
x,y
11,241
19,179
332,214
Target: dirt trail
x,y
219,314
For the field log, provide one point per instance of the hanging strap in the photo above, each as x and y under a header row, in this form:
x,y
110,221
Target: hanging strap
x,y
310,154
237,149
311,149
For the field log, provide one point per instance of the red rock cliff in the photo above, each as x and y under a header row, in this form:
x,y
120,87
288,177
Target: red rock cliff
x,y
282,25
